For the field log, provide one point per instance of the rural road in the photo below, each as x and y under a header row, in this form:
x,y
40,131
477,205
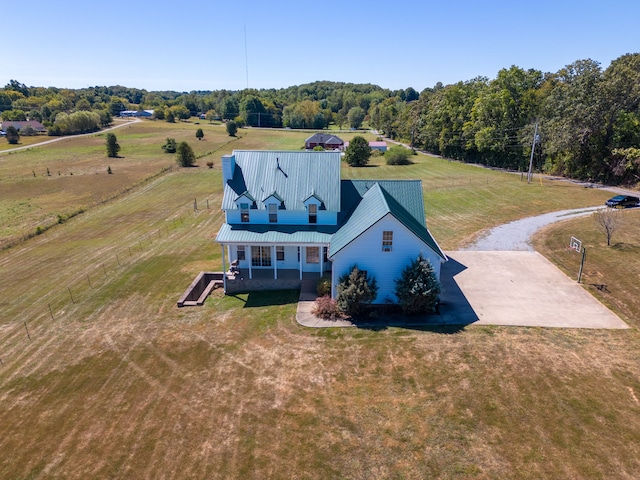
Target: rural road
x,y
59,139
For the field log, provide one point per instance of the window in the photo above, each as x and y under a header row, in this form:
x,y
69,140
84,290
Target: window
x,y
387,241
240,252
244,212
313,213
313,254
260,256
273,213
280,253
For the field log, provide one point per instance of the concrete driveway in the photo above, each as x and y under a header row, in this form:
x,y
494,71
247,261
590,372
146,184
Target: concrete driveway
x,y
517,288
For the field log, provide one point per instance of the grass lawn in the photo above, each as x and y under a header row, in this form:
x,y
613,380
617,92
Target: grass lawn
x,y
610,273
102,376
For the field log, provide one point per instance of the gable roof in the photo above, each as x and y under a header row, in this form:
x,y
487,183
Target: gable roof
x,y
323,139
294,175
375,204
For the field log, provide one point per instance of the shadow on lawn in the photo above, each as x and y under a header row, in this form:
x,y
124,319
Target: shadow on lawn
x,y
271,298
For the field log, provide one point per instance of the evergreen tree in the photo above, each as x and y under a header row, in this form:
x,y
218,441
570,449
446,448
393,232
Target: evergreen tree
x,y
356,289
418,288
112,145
199,134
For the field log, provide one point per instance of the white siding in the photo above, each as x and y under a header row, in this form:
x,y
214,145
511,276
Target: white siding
x,y
366,252
285,217
290,259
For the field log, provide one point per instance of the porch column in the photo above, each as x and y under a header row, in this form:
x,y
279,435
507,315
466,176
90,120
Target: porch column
x,y
321,248
224,270
275,262
300,260
250,261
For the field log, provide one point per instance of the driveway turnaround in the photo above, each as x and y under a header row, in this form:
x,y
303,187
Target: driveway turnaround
x,y
517,288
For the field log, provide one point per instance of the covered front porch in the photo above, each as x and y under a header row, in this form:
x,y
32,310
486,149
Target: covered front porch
x,y
267,257
239,281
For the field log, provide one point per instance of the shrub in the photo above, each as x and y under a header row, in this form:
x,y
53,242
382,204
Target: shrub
x,y
397,156
327,308
324,286
170,145
356,289
418,288
318,148
232,128
210,164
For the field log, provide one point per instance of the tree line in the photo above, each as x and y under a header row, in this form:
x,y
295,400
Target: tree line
x,y
587,117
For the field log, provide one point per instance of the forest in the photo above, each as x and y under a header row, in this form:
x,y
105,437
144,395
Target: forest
x,y
583,120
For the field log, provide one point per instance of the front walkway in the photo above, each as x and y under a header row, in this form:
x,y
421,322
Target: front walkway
x,y
307,300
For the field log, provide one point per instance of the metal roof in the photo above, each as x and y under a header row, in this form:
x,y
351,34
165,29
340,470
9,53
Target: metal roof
x,y
279,234
376,203
408,193
292,175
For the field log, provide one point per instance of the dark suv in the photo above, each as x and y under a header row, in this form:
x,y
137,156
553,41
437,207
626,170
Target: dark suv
x,y
622,201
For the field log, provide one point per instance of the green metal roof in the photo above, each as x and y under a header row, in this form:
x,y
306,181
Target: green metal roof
x,y
292,175
376,203
406,192
280,234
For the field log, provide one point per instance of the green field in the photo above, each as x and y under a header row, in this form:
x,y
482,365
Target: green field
x,y
102,376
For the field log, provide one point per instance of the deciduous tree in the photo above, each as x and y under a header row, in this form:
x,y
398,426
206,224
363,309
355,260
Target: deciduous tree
x,y
184,155
12,135
608,221
358,152
232,128
356,117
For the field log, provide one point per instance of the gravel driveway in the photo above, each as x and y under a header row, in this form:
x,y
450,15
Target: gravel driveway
x,y
500,280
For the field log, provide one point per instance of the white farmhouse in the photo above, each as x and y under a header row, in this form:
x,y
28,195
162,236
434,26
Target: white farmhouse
x,y
289,217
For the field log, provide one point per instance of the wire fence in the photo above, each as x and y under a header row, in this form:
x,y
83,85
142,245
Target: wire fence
x,y
57,301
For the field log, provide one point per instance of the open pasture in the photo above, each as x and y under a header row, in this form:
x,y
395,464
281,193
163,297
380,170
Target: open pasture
x,y
102,376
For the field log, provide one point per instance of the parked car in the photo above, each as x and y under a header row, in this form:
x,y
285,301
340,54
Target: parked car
x,y
622,201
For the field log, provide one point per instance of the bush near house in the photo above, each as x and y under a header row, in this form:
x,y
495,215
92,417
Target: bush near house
x,y
418,288
356,290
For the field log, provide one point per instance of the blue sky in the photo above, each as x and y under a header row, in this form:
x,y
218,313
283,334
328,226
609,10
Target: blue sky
x,y
200,45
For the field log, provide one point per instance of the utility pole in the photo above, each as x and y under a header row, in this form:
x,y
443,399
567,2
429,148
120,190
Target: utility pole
x,y
533,149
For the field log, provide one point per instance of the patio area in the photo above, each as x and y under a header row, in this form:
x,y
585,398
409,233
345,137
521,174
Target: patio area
x,y
262,279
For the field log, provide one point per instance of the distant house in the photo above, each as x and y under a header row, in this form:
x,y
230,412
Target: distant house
x,y
137,113
289,217
37,126
382,146
324,140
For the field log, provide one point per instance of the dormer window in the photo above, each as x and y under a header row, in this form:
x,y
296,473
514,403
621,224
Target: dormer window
x,y
313,213
273,212
244,212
